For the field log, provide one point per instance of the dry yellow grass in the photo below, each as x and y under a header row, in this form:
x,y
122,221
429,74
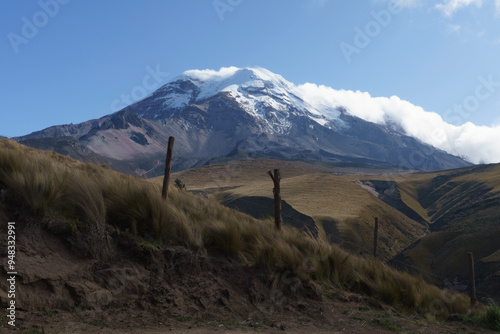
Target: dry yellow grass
x,y
95,196
320,191
409,185
494,257
409,195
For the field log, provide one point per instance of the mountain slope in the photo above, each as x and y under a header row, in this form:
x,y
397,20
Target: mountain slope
x,y
237,113
463,210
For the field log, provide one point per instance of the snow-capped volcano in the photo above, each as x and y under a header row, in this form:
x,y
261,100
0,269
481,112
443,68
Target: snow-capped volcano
x,y
236,113
270,97
259,92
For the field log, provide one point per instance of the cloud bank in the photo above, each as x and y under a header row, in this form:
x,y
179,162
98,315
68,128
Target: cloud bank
x,y
478,144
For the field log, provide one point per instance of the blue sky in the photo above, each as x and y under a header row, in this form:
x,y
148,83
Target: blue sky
x,y
67,61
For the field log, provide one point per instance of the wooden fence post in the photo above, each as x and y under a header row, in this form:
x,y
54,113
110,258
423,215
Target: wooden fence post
x,y
277,197
375,238
473,298
168,164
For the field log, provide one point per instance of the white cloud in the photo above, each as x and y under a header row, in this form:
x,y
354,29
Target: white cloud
x,y
479,144
205,75
497,7
449,7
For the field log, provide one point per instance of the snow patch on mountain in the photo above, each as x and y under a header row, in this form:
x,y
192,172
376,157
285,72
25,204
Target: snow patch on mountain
x,y
176,100
258,91
273,99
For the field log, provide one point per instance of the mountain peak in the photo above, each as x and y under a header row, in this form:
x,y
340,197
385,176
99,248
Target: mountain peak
x,y
230,79
234,112
257,90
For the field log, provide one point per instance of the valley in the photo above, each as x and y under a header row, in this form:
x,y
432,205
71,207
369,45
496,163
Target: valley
x,y
429,220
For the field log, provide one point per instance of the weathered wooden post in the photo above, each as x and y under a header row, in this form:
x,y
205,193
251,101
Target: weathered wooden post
x,y
168,164
375,238
473,298
277,197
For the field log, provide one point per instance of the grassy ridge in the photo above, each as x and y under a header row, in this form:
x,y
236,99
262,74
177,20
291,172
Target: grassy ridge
x,y
462,208
342,210
48,184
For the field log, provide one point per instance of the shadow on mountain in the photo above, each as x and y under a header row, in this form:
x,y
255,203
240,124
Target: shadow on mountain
x,y
389,193
262,207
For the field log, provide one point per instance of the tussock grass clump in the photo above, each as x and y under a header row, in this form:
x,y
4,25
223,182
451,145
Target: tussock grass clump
x,y
33,182
49,184
133,205
82,200
490,317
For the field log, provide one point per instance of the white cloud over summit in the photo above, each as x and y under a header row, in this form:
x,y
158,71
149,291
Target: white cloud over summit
x,y
478,144
204,75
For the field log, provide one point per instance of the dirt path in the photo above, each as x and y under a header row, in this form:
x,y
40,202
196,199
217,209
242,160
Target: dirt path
x,y
338,317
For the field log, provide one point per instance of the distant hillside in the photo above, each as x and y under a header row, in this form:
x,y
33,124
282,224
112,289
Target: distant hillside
x,y
342,210
463,209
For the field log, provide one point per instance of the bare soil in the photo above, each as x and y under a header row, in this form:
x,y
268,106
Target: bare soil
x,y
71,280
337,317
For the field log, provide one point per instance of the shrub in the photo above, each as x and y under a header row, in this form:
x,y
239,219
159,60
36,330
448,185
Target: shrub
x,y
179,184
492,317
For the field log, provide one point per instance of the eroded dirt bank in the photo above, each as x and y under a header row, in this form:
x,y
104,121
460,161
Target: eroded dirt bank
x,y
76,280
